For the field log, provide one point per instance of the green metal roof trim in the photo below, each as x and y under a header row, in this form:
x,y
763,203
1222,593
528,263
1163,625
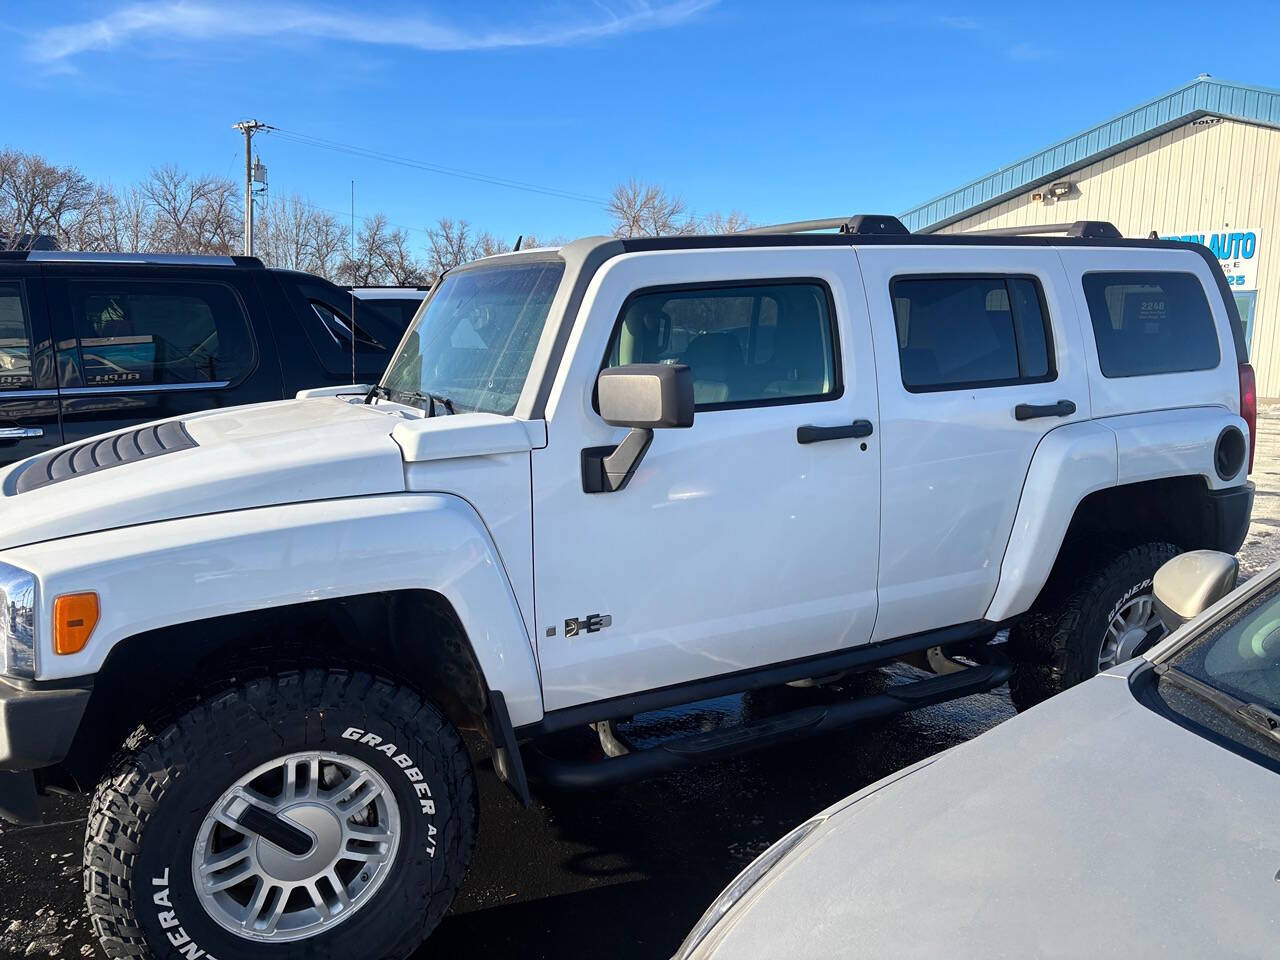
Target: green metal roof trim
x,y
1202,97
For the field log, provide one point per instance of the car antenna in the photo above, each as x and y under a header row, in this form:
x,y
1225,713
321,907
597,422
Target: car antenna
x,y
519,240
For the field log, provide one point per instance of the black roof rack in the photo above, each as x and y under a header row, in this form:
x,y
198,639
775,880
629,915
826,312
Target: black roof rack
x,y
1091,229
169,259
859,225
885,225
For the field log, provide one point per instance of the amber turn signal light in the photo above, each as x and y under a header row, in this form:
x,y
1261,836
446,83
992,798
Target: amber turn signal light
x,y
74,617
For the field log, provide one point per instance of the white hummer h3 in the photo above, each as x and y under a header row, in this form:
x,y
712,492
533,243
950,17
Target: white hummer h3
x,y
596,481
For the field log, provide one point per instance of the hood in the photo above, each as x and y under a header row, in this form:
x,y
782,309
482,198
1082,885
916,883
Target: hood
x,y
232,459
1090,826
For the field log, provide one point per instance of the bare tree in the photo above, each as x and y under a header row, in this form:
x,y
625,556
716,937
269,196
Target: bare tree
x,y
328,238
382,256
38,198
730,222
125,223
449,244
488,245
646,210
291,233
193,214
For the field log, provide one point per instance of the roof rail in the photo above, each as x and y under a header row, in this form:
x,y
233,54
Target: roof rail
x,y
862,224
1092,229
171,259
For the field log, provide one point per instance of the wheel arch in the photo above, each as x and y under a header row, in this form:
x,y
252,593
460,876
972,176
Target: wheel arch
x,y
1093,482
411,636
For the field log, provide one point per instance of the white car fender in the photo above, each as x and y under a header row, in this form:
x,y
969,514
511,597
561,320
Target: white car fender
x,y
1070,463
218,564
1081,458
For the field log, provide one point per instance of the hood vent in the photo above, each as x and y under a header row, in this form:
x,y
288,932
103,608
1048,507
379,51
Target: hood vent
x,y
142,444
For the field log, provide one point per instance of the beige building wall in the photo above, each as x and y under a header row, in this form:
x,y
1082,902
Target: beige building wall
x,y
1202,177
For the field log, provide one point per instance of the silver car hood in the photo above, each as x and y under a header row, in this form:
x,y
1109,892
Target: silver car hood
x,y
1090,826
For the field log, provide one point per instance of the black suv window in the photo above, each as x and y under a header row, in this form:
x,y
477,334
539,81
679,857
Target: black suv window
x,y
975,331
17,370
339,327
1148,323
144,332
747,344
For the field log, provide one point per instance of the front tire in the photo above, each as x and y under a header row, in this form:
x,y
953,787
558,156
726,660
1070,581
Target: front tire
x,y
312,814
1106,619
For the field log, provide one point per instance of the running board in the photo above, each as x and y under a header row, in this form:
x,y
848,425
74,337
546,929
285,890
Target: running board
x,y
701,748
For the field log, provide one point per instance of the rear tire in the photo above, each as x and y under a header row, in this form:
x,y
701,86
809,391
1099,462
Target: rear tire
x,y
1063,644
326,739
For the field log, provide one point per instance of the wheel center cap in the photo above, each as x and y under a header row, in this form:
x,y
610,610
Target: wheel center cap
x,y
1130,641
326,843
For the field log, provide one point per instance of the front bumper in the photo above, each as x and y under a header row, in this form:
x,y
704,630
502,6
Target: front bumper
x,y
37,725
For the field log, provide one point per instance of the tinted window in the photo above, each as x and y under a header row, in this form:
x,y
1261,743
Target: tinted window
x,y
1146,323
16,367
745,344
338,327
971,332
138,333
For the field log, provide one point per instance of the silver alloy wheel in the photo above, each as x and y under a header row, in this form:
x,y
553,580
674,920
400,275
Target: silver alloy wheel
x,y
1133,629
338,807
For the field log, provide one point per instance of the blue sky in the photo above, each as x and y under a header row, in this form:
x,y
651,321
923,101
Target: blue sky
x,y
780,110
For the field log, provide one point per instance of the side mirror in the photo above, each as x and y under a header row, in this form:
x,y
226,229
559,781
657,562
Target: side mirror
x,y
644,397
1191,583
647,396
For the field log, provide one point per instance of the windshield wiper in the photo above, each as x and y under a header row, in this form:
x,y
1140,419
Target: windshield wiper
x,y
1252,715
428,401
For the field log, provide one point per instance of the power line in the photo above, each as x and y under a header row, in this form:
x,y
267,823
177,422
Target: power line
x,y
310,141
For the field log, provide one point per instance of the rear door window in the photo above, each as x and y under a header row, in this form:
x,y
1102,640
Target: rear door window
x,y
159,332
18,355
1148,323
962,332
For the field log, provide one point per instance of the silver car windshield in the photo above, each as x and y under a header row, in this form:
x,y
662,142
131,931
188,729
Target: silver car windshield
x,y
1242,656
475,340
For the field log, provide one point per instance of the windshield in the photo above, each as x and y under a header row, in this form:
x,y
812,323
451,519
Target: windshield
x,y
1242,656
474,342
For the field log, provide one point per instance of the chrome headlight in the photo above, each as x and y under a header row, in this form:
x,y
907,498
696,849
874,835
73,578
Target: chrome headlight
x,y
747,879
17,622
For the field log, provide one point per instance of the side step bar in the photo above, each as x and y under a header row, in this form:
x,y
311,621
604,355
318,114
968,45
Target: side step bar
x,y
701,748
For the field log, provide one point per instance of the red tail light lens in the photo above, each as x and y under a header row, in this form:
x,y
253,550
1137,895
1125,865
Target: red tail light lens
x,y
1249,407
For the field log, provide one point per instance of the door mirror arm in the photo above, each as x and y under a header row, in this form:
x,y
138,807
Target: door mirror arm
x,y
609,469
644,397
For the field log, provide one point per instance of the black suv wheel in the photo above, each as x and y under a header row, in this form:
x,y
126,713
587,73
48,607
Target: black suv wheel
x,y
312,814
1106,619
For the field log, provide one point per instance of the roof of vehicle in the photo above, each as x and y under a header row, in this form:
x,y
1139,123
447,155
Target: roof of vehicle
x,y
390,293
1202,97
158,259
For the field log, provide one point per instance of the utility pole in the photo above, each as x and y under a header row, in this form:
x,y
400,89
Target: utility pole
x,y
249,128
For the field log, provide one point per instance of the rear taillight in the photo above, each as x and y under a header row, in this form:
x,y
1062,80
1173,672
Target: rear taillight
x,y
1249,407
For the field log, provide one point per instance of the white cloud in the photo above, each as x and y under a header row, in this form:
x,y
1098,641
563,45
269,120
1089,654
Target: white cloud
x,y
1027,52
206,20
959,23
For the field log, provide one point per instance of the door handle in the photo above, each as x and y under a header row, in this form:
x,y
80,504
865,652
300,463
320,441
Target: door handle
x,y
20,433
1033,411
814,434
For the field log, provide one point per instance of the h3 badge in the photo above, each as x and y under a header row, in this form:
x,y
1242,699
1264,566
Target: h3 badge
x,y
591,623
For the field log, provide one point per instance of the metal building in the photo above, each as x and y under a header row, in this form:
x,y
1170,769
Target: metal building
x,y
1201,162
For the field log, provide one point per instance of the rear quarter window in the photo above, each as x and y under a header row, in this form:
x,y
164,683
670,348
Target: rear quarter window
x,y
1147,323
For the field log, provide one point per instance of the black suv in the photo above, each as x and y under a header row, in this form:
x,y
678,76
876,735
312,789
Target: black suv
x,y
94,342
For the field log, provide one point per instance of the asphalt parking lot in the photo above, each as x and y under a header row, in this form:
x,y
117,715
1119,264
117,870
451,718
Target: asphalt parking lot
x,y
621,873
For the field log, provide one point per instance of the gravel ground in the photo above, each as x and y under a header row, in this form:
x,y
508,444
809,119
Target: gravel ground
x,y
622,873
